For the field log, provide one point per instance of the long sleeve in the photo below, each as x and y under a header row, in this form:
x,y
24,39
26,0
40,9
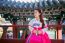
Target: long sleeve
x,y
30,25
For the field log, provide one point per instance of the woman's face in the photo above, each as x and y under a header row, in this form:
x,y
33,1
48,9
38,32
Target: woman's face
x,y
36,13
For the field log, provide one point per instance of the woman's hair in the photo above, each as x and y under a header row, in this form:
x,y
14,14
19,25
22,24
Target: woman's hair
x,y
41,18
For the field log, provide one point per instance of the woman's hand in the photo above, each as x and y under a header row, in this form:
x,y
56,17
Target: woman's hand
x,y
34,31
39,32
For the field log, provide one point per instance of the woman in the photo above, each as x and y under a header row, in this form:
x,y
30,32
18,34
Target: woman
x,y
38,28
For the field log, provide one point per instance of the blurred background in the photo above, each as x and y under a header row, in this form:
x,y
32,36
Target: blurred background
x,y
16,14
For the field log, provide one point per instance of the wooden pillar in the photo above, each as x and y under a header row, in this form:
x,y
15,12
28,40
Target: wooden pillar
x,y
4,32
59,31
14,31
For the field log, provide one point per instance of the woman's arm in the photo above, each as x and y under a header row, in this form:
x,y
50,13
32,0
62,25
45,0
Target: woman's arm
x,y
30,28
30,25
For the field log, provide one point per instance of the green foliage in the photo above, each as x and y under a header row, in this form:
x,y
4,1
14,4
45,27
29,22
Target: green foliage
x,y
11,17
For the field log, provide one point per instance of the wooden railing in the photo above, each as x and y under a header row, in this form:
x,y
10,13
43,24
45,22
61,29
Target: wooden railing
x,y
15,32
